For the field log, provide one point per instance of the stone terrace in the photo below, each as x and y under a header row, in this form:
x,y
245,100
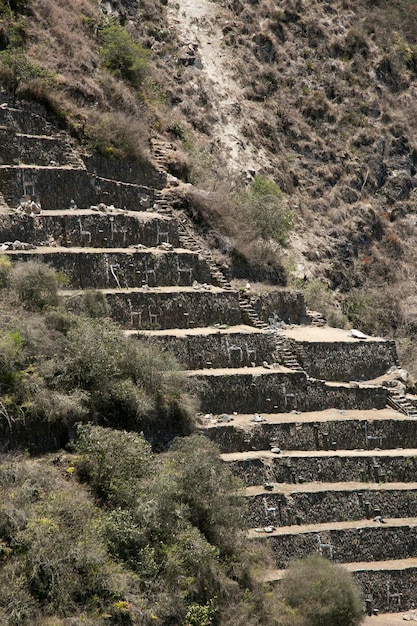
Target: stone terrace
x,y
299,412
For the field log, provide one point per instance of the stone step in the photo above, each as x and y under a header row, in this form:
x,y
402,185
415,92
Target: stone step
x,y
239,346
74,184
279,390
89,268
298,467
343,542
167,307
315,503
390,583
330,429
87,228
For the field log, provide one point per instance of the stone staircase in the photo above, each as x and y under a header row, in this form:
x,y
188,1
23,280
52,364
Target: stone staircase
x,y
300,412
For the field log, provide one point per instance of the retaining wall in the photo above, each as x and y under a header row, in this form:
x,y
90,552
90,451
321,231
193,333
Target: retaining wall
x,y
216,350
335,468
282,304
103,230
279,392
15,148
362,360
92,269
376,543
342,434
180,309
329,506
73,184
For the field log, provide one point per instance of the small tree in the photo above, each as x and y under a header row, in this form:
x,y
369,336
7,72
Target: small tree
x,y
268,210
323,594
35,285
121,56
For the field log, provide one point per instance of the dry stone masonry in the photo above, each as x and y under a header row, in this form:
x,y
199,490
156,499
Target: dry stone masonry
x,y
314,421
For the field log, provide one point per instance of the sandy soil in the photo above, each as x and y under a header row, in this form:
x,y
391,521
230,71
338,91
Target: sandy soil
x,y
323,334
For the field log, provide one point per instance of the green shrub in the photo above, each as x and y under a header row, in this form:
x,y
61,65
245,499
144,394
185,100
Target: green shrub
x,y
58,560
35,285
324,594
200,615
130,384
268,210
121,56
113,463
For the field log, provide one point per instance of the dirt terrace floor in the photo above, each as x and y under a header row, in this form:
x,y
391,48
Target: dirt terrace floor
x,y
391,619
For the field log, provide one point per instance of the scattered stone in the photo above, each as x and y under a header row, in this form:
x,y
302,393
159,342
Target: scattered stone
x,y
224,417
17,245
357,334
30,207
257,418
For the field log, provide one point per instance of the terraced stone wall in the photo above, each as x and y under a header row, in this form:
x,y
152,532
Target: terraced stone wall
x,y
349,545
383,587
173,309
345,469
289,470
328,506
93,269
98,229
217,350
18,148
320,396
282,304
280,392
140,173
73,184
345,434
362,360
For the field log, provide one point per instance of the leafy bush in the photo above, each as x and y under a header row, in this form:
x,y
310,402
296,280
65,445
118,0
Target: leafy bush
x,y
113,463
35,285
323,594
268,210
181,544
57,559
129,384
121,56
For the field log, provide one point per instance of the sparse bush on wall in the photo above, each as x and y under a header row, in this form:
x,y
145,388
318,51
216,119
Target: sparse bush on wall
x,y
324,594
117,135
35,285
